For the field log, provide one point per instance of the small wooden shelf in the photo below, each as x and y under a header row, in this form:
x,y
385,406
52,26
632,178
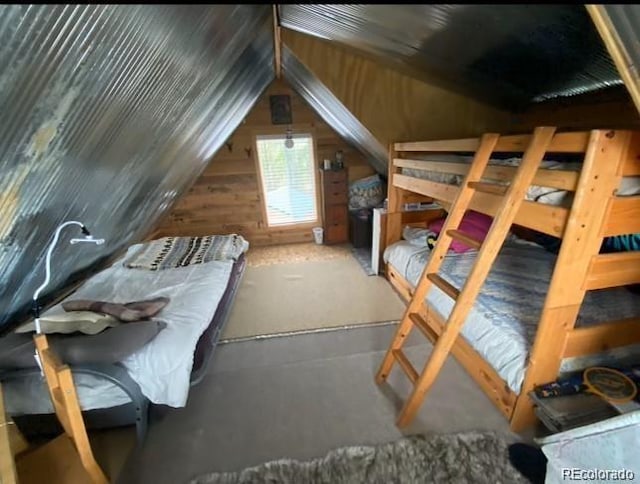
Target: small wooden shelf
x,y
335,201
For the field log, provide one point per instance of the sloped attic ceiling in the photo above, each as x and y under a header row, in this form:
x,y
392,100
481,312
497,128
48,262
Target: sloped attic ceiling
x,y
511,55
116,114
110,112
334,113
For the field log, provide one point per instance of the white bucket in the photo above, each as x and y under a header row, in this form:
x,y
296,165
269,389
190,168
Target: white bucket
x,y
317,234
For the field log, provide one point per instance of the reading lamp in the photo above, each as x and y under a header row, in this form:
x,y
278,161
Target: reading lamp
x,y
87,238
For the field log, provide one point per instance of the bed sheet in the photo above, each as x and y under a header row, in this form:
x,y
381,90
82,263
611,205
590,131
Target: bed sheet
x,y
503,322
162,368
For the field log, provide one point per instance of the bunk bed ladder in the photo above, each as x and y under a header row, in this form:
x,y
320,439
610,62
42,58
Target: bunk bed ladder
x,y
512,197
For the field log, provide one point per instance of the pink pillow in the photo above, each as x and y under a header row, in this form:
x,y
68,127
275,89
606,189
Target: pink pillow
x,y
473,223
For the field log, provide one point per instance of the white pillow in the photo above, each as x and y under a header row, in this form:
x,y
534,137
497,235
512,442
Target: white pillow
x,y
417,236
87,322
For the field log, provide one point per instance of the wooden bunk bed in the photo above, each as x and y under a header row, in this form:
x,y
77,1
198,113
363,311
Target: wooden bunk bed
x,y
596,212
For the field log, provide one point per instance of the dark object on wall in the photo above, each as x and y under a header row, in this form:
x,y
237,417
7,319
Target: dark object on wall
x,y
280,109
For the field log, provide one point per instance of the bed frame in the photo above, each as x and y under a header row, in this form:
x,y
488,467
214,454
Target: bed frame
x,y
596,213
137,412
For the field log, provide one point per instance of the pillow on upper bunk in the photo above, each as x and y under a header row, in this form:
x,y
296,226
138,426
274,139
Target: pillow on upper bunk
x,y
473,223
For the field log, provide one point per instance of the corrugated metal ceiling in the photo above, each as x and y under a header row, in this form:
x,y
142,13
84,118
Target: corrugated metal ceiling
x,y
511,55
109,112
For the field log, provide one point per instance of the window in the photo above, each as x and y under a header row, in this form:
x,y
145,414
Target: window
x,y
288,179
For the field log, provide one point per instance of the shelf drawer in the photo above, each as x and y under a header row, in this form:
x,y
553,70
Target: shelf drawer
x,y
335,234
335,214
335,195
330,176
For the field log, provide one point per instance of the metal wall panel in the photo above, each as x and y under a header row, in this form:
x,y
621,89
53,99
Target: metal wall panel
x,y
510,55
334,113
109,112
626,20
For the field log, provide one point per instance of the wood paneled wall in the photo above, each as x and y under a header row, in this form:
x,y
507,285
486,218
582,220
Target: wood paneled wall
x,y
394,106
226,198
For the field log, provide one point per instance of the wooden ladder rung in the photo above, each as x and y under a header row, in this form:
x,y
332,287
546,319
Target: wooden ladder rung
x,y
406,365
491,188
422,325
464,238
447,288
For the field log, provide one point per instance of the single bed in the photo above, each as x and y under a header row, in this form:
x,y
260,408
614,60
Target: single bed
x,y
504,320
161,372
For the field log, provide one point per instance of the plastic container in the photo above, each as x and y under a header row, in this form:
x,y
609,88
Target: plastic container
x,y
318,233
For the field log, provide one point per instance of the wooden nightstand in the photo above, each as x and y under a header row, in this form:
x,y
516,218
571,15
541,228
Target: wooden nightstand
x,y
334,205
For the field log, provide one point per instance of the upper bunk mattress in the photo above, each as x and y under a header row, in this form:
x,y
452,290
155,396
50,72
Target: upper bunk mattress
x,y
629,185
502,325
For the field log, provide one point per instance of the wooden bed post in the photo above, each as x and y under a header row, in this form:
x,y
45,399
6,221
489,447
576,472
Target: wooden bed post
x,y
65,402
394,204
582,239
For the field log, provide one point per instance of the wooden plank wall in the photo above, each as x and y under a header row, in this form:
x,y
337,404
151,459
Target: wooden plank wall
x,y
226,198
392,105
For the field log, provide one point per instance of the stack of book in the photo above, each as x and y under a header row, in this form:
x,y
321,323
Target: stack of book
x,y
567,412
569,402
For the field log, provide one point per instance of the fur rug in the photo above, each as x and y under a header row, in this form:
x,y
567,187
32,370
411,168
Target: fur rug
x,y
472,457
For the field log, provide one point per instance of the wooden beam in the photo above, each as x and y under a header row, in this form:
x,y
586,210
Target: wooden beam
x,y
595,339
67,407
544,218
496,389
277,43
562,143
631,164
616,49
561,179
623,217
394,206
612,270
468,144
581,241
7,464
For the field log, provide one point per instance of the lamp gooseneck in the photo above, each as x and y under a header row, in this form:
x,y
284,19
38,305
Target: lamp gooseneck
x,y
47,279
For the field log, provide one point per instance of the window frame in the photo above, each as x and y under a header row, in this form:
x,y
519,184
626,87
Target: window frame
x,y
281,131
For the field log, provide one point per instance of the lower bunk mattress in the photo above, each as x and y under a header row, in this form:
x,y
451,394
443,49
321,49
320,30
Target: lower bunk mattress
x,y
502,325
201,296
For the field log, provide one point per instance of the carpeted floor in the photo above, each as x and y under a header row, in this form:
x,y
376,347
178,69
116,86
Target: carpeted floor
x,y
363,256
471,457
299,397
288,253
299,296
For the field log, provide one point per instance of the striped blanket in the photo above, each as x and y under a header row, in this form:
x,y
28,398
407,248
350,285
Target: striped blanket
x,y
172,252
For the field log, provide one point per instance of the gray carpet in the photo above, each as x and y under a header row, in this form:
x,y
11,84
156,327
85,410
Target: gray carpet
x,y
301,296
363,256
471,457
299,397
